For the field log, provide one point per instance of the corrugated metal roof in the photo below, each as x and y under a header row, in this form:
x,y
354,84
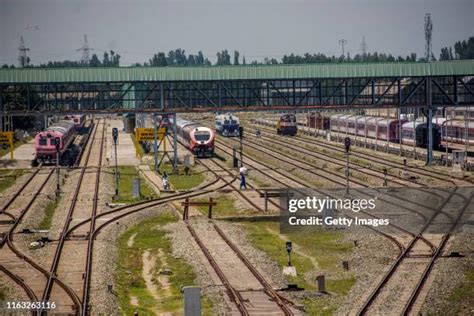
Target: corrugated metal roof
x,y
339,70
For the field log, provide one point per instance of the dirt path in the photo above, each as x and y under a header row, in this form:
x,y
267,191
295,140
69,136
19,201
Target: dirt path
x,y
131,240
149,263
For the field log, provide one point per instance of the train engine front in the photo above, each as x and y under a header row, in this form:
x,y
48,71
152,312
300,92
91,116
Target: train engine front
x,y
45,141
198,139
227,125
286,125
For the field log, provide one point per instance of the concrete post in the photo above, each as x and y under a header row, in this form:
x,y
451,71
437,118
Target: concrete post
x,y
321,283
192,300
136,187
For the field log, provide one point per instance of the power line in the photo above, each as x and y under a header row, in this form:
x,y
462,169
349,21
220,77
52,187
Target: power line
x,y
23,60
342,42
85,51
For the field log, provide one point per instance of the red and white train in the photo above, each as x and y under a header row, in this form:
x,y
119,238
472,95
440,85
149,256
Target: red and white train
x,y
45,141
198,139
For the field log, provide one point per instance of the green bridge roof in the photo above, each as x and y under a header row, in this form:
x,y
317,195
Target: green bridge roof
x,y
248,72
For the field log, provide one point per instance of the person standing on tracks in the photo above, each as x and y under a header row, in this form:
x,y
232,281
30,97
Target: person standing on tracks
x,y
243,173
166,184
257,133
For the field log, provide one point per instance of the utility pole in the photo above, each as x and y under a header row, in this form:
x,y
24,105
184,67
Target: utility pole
x,y
23,60
342,42
241,135
115,137
155,142
428,33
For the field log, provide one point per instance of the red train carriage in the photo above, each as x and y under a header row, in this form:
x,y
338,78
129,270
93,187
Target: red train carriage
x,y
198,139
316,120
45,141
366,126
457,131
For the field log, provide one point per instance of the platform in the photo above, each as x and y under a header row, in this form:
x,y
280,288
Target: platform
x,y
126,155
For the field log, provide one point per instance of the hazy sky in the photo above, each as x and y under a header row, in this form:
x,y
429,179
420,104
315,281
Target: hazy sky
x,y
258,28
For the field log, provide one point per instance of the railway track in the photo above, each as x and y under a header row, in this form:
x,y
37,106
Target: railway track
x,y
332,175
23,270
372,158
391,282
70,254
436,249
35,274
248,301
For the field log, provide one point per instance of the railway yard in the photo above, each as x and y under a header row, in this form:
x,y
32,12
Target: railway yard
x,y
69,242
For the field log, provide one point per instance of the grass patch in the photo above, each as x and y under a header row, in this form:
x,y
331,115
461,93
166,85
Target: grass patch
x,y
225,207
150,236
126,175
9,176
49,210
324,247
461,299
181,181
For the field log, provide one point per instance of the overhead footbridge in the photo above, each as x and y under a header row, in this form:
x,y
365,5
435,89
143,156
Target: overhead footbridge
x,y
40,91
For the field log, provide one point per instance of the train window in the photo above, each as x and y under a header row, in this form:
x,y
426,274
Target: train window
x,y
407,134
201,136
42,141
233,122
52,141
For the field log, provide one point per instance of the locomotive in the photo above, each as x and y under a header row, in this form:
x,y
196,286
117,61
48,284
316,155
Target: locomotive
x,y
416,132
198,139
286,125
45,142
227,125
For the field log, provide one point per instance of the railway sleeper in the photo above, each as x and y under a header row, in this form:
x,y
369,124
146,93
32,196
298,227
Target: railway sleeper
x,y
79,236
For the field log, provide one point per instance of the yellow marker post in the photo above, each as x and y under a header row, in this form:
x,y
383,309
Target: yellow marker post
x,y
7,138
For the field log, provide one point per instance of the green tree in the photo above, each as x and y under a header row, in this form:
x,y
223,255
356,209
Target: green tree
x,y
94,62
158,60
236,57
106,60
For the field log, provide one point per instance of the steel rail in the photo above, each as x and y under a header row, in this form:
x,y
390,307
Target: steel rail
x,y
62,239
399,260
